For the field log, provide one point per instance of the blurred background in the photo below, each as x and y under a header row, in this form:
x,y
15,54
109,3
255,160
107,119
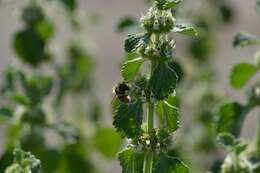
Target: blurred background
x,y
106,46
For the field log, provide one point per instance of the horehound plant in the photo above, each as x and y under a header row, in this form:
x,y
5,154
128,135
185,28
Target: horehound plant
x,y
147,148
243,158
24,162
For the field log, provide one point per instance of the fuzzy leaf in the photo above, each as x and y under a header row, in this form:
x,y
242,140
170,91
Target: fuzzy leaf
x,y
241,73
168,164
163,81
169,115
107,141
131,161
231,143
134,41
231,116
245,39
189,31
128,119
131,67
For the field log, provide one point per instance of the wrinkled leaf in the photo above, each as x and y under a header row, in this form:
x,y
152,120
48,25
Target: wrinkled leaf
x,y
128,119
169,116
131,67
131,161
134,41
241,74
163,81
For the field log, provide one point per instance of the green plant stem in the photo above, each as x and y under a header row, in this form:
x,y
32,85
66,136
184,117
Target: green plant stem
x,y
258,138
150,117
148,160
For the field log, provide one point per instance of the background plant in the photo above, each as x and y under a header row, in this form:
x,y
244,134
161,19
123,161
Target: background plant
x,y
243,157
28,89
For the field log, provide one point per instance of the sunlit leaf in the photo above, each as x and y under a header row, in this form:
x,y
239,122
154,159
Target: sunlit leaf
x,y
131,67
169,116
242,73
190,31
230,117
128,119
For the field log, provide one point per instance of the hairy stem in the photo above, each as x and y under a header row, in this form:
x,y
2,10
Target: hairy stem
x,y
148,160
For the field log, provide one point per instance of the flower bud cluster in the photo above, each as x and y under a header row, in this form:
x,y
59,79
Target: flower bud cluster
x,y
161,50
157,21
235,164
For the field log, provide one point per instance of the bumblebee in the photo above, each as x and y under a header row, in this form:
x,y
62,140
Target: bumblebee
x,y
121,92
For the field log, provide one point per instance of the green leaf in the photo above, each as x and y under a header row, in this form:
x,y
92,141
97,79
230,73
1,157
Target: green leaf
x,y
134,41
74,159
128,119
126,23
176,66
241,74
30,47
131,161
254,95
169,4
231,143
5,113
131,67
45,29
189,31
231,115
163,81
50,159
245,39
169,116
167,164
107,141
